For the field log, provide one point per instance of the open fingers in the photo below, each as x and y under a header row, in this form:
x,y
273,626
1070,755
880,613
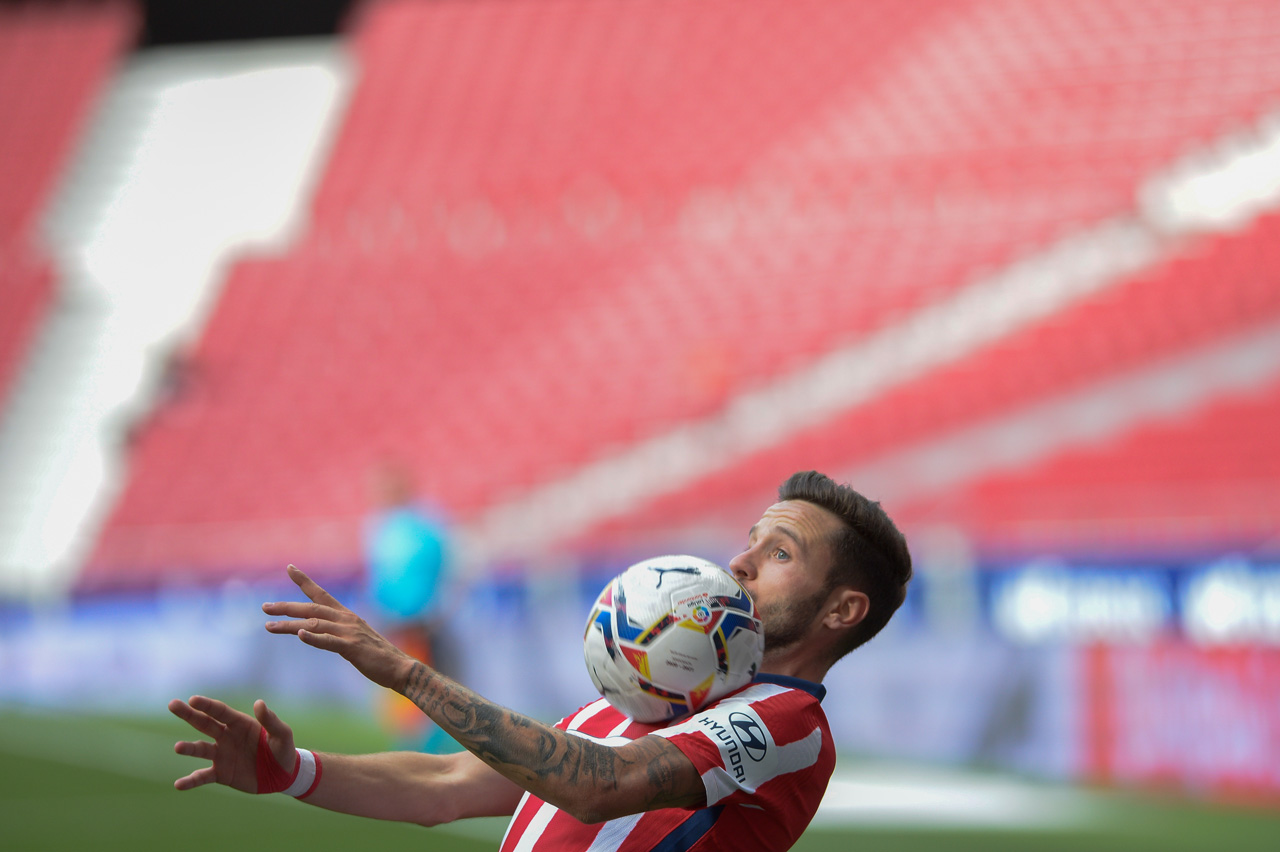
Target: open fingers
x,y
200,749
323,641
274,724
301,609
218,710
312,589
196,779
197,719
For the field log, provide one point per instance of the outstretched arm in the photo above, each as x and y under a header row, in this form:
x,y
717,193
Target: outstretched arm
x,y
593,782
405,786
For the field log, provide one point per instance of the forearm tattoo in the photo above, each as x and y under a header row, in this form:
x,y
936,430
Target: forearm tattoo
x,y
539,757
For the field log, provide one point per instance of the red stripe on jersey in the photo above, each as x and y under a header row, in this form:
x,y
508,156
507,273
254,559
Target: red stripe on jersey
x,y
520,822
599,720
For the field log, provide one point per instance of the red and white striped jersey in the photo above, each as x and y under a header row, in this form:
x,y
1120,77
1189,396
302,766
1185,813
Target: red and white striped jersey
x,y
765,756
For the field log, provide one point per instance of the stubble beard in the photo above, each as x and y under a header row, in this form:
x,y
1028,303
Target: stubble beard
x,y
787,624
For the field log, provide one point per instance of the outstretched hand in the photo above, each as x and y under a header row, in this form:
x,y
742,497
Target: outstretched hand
x,y
237,738
326,624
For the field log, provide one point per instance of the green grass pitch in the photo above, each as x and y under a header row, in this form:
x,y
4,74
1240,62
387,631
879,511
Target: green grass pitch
x,y
105,783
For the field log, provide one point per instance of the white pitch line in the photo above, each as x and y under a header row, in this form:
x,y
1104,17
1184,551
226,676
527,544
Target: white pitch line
x,y
889,795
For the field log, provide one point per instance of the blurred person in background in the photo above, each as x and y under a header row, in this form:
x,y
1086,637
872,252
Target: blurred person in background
x,y
408,568
827,569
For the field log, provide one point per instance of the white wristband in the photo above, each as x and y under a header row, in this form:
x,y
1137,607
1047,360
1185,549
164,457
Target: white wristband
x,y
306,774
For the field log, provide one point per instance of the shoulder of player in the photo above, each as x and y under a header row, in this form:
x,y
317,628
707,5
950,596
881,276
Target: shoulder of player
x,y
786,710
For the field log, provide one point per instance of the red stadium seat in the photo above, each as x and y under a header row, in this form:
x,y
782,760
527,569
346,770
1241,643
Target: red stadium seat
x,y
550,230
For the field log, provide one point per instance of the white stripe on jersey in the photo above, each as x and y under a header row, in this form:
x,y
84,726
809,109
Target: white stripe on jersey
x,y
586,713
622,726
758,692
718,785
534,829
613,833
512,821
800,754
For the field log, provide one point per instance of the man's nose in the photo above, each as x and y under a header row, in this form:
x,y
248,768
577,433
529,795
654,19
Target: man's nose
x,y
743,566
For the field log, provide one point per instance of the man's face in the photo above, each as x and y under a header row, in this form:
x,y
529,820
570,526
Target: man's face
x,y
784,567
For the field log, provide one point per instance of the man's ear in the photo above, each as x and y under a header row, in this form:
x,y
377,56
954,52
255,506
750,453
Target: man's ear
x,y
846,608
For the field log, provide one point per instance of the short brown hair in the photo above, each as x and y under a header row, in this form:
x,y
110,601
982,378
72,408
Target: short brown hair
x,y
870,553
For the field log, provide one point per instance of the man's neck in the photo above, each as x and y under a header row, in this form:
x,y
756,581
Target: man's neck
x,y
790,665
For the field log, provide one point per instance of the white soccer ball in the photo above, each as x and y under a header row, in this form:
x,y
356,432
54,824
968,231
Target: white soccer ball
x,y
670,635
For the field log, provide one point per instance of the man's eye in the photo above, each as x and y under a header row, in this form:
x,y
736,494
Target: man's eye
x,y
781,554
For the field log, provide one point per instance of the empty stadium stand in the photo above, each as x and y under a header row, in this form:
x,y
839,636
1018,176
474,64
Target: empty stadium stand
x,y
552,230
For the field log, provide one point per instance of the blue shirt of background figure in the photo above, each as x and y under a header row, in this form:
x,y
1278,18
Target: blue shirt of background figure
x,y
407,551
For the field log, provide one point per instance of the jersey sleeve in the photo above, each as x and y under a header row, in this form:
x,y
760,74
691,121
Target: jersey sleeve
x,y
743,742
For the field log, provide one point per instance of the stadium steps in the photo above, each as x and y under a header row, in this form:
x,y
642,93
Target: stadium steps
x,y
57,388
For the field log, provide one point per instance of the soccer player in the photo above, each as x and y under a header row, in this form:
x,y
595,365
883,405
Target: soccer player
x,y
407,556
827,569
